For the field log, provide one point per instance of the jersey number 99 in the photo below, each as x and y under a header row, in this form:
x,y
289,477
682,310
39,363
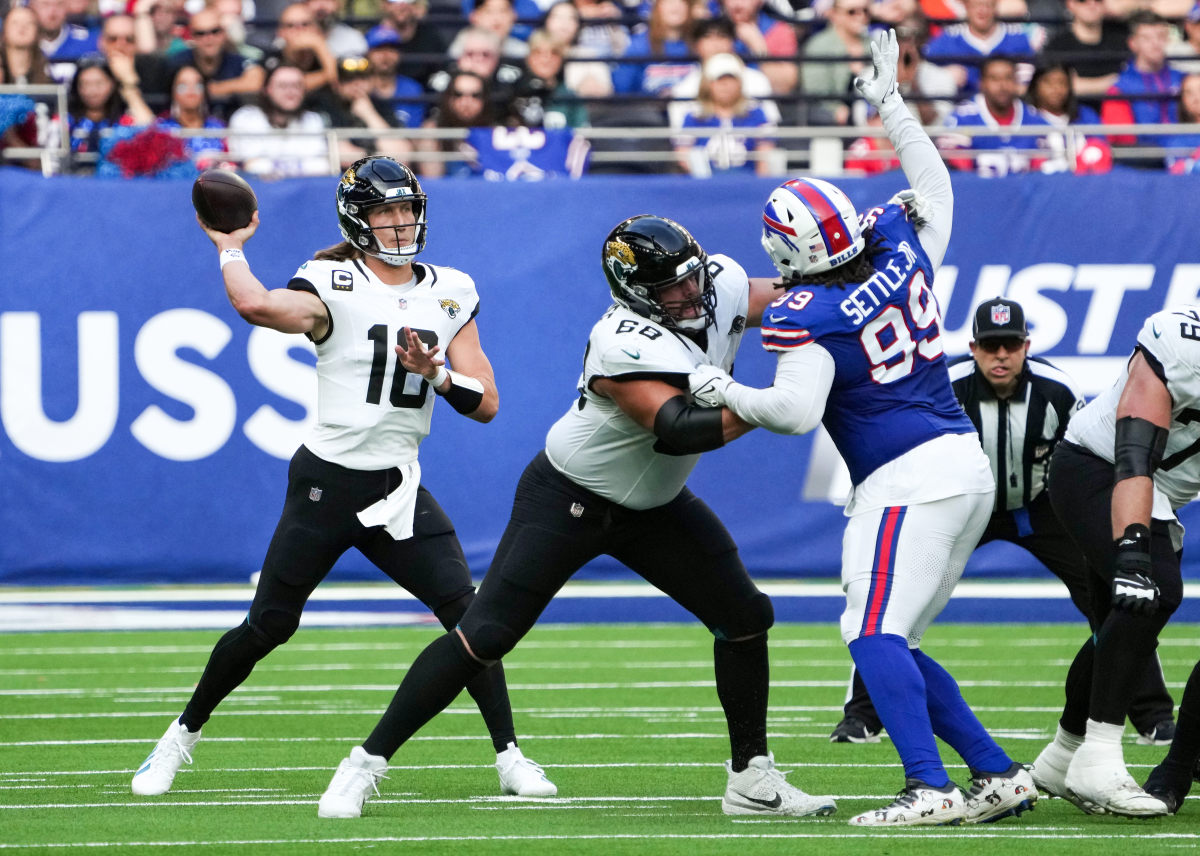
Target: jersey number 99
x,y
890,338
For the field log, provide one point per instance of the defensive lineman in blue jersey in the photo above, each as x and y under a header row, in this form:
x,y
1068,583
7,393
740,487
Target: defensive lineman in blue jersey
x,y
860,349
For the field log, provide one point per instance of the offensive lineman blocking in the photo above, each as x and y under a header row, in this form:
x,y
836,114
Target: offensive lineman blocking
x,y
859,349
356,481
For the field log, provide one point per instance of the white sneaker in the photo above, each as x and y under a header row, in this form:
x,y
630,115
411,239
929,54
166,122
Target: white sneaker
x,y
999,795
520,776
1100,778
918,805
1049,774
762,789
157,772
355,780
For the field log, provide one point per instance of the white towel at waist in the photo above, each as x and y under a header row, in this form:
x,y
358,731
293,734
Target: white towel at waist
x,y
396,510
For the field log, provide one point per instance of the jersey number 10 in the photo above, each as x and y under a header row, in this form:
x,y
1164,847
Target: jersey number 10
x,y
379,360
904,333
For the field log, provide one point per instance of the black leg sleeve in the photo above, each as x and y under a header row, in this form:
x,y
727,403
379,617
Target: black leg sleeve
x,y
743,679
231,661
488,689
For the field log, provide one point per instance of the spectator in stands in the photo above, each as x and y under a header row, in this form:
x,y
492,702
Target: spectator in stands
x,y
189,110
1185,55
845,36
300,42
541,97
1189,114
722,106
21,57
1050,93
158,28
229,13
61,42
664,43
709,37
229,75
94,105
759,36
589,79
280,108
996,106
962,46
1093,47
929,90
894,12
499,17
354,107
465,103
343,40
477,50
1145,74
601,29
404,18
403,95
146,73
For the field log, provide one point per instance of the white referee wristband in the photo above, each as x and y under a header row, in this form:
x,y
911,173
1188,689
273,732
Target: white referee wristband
x,y
439,378
228,256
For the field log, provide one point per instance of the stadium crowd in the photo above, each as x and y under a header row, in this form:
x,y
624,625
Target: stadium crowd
x,y
194,83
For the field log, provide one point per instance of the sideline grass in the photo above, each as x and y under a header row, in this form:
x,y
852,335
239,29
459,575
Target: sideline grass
x,y
623,717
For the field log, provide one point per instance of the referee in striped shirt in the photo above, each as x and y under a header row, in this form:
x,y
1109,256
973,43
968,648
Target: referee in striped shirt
x,y
1020,406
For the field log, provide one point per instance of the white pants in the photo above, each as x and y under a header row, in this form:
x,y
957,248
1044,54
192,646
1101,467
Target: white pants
x,y
900,564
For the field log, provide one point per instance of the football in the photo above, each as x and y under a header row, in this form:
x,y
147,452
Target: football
x,y
223,200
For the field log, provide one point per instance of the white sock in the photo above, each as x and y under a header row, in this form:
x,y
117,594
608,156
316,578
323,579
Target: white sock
x,y
1104,733
1066,740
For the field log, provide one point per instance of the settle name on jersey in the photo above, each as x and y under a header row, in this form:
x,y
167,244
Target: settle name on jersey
x,y
371,412
891,389
596,444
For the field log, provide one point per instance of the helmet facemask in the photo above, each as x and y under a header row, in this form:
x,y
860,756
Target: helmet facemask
x,y
372,183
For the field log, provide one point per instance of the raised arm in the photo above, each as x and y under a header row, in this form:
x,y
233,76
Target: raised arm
x,y
919,158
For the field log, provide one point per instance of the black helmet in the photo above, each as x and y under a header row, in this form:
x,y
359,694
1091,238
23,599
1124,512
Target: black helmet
x,y
646,254
379,181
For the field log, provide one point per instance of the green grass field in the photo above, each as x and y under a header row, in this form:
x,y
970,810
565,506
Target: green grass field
x,y
623,717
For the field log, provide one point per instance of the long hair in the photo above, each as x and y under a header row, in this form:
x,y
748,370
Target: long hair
x,y
446,116
658,32
174,112
114,108
267,103
1186,116
343,251
1070,106
39,67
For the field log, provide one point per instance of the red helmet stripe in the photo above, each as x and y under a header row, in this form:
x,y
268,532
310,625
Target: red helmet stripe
x,y
834,230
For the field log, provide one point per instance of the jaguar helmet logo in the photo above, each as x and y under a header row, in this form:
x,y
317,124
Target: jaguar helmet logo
x,y
450,307
620,261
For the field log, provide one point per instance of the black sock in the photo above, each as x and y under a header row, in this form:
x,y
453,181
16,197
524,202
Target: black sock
x,y
743,674
489,690
1079,689
435,679
1185,748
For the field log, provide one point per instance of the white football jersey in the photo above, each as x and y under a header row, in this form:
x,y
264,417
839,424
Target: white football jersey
x,y
595,444
372,414
1170,338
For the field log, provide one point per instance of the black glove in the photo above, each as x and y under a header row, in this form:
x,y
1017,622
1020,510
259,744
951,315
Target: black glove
x,y
1133,589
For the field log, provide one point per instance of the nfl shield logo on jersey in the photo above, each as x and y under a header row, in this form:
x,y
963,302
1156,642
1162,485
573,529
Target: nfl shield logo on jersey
x,y
314,494
1001,314
403,303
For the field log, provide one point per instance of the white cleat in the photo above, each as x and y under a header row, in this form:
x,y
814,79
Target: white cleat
x,y
1049,774
1097,777
357,777
997,795
918,805
154,777
521,777
761,789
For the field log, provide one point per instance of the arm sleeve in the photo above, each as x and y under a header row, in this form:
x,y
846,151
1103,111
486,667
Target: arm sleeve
x,y
795,403
926,174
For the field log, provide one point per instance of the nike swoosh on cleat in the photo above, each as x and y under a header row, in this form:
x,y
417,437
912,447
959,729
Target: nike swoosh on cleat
x,y
775,803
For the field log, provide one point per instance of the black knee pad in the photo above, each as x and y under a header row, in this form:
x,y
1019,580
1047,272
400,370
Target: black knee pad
x,y
490,641
755,617
275,626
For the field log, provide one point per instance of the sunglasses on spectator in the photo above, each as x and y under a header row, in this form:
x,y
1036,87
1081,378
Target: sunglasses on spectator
x,y
466,93
294,25
189,87
201,33
119,37
1010,344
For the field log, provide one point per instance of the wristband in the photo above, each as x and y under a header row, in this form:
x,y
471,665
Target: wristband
x,y
439,378
232,255
465,393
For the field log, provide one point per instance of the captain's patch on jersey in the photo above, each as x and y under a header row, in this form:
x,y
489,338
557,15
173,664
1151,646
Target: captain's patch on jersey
x,y
451,307
343,280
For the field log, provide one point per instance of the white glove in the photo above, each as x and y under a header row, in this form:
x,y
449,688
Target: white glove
x,y
708,385
915,204
885,56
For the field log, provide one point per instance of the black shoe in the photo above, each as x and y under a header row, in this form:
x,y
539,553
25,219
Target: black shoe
x,y
1160,735
853,730
1168,786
